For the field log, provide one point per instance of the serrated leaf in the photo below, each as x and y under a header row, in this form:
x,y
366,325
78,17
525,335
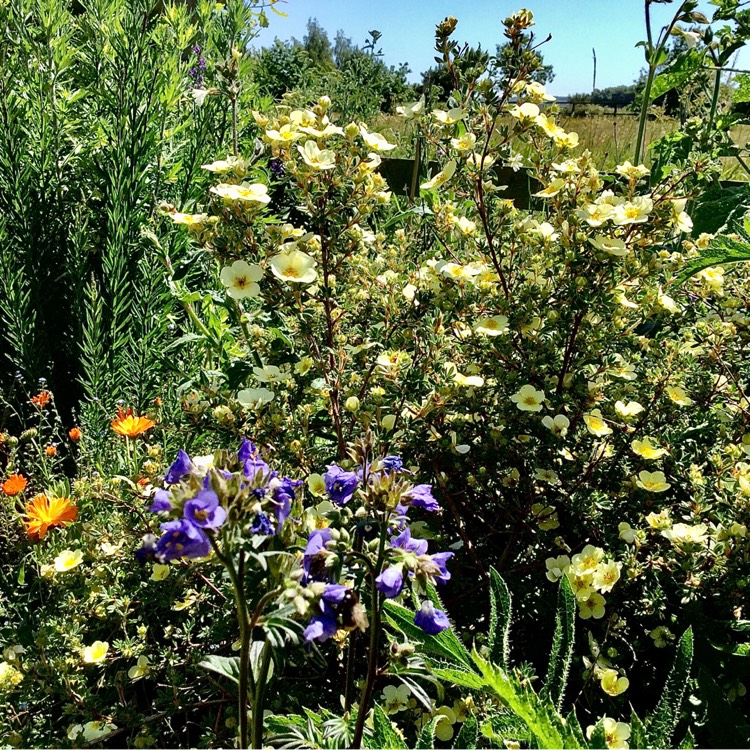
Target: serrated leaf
x,y
467,737
227,666
688,741
562,644
500,619
662,722
677,73
741,92
426,739
638,733
598,737
722,250
715,208
384,735
445,644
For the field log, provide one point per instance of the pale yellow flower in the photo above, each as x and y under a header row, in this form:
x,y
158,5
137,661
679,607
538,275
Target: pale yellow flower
x,y
254,397
610,245
316,158
627,532
612,684
552,189
679,395
230,164
240,279
140,669
285,135
526,112
546,516
581,585
96,653
67,560
494,326
558,424
294,266
159,572
587,560
451,117
606,575
316,485
633,212
188,220
595,423
626,411
681,533
375,141
557,567
596,214
441,177
244,193
468,380
632,172
528,398
593,606
653,481
646,449
412,110
395,698
464,143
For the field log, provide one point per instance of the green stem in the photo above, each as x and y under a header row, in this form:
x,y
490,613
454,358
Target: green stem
x,y
260,687
644,115
372,657
714,102
245,677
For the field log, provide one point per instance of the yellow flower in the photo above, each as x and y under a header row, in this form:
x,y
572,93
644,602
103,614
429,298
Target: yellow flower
x,y
681,534
679,395
159,572
632,172
528,398
244,193
535,92
646,449
294,266
595,423
95,653
316,485
526,112
465,143
612,684
552,189
315,158
230,164
451,117
546,516
660,520
285,135
67,560
661,635
253,397
596,214
587,560
633,212
412,110
616,734
464,225
610,245
627,532
240,279
631,409
375,141
557,567
9,677
188,220
606,575
388,422
140,669
593,606
582,585
441,177
653,481
395,698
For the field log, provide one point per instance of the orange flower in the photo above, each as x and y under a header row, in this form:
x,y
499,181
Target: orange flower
x,y
129,425
51,450
43,512
74,433
14,484
41,400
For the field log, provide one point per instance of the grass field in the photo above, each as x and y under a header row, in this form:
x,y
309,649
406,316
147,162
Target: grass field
x,y
610,139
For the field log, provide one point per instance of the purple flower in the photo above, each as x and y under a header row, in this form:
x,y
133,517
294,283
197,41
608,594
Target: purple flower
x,y
405,542
146,552
340,484
316,552
250,456
393,463
440,559
261,525
179,469
277,167
391,581
431,620
161,501
325,623
204,510
421,497
181,539
283,495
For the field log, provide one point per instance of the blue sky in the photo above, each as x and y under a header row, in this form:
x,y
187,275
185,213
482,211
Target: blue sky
x,y
612,27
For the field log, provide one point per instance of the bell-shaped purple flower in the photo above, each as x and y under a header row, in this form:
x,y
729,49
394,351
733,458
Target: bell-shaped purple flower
x,y
392,463
340,484
147,549
161,501
324,624
431,620
391,581
251,459
283,494
421,497
181,539
405,542
204,510
181,467
261,525
441,559
313,560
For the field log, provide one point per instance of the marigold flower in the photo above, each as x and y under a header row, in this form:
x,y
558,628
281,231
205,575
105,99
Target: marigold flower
x,y
41,399
75,434
14,484
43,512
130,426
51,450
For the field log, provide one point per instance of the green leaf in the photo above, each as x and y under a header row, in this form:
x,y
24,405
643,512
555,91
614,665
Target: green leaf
x,y
662,722
467,737
638,732
228,666
688,742
716,207
598,737
742,91
426,739
461,677
562,644
676,74
444,644
384,735
724,729
722,250
500,618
